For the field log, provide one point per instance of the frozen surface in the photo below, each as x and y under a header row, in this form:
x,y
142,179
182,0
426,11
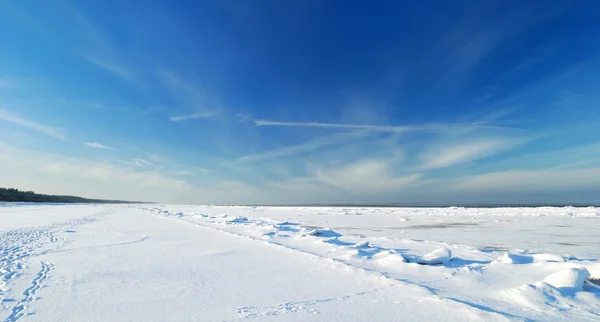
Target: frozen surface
x,y
203,263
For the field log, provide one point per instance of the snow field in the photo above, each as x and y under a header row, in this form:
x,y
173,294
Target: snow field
x,y
184,263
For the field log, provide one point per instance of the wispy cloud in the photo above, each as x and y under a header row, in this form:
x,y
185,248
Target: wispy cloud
x,y
137,163
18,120
380,128
181,86
112,67
199,115
308,146
96,145
366,177
532,180
97,47
190,95
183,173
59,174
242,117
447,155
183,90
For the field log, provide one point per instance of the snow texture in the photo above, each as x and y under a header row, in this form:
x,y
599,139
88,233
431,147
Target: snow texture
x,y
209,263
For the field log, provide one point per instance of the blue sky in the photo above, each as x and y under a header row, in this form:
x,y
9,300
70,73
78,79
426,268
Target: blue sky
x,y
307,101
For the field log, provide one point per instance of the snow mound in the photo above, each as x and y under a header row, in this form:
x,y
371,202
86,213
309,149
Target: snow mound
x,y
363,244
548,258
389,258
521,258
567,288
571,279
323,232
594,270
286,223
383,254
237,220
479,273
436,257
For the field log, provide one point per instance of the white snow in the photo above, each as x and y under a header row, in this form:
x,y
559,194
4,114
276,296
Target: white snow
x,y
570,279
436,257
208,263
522,258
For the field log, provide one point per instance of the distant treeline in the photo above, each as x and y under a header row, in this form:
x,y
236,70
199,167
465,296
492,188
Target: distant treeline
x,y
15,195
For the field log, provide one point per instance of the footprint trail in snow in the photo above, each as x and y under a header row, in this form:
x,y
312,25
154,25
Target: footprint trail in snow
x,y
17,249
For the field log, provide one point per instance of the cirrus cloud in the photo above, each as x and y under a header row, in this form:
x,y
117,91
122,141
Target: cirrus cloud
x,y
97,145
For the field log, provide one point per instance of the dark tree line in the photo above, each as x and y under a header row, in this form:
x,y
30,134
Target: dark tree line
x,y
15,195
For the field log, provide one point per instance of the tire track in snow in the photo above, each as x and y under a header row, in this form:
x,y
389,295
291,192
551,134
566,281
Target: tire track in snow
x,y
18,311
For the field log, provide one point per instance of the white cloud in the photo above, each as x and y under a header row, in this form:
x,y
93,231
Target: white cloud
x,y
18,120
360,182
363,181
96,145
303,190
518,181
365,177
58,174
448,154
190,95
308,146
381,128
183,173
199,115
137,163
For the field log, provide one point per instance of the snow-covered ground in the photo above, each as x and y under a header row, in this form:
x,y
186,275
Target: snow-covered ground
x,y
203,263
